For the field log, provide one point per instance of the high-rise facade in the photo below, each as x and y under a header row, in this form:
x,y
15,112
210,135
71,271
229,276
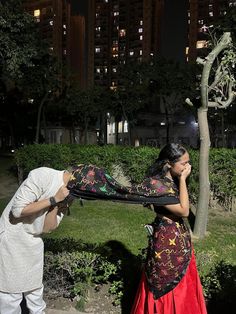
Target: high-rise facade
x,y
54,19
64,32
113,32
201,16
123,30
103,34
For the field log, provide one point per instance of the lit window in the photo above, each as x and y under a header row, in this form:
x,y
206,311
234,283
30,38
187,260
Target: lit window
x,y
97,14
98,29
204,29
120,125
64,26
126,126
141,37
200,22
106,1
64,33
64,51
131,53
162,123
116,13
51,23
51,48
113,86
141,23
201,44
140,30
186,50
98,70
114,70
211,13
140,52
136,142
181,122
113,128
97,49
105,69
36,13
122,33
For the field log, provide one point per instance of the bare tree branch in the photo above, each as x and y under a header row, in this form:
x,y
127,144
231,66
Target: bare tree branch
x,y
188,101
223,43
200,61
218,76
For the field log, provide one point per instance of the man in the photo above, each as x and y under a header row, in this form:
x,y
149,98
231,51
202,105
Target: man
x,y
37,207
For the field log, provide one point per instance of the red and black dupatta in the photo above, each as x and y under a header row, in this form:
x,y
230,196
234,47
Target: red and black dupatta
x,y
91,182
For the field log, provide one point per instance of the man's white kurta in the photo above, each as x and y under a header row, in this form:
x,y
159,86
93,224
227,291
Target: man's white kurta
x,y
21,247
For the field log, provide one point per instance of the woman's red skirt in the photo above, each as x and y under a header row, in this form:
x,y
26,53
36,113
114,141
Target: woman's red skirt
x,y
185,298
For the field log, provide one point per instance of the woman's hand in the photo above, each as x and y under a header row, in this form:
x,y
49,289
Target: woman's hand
x,y
186,172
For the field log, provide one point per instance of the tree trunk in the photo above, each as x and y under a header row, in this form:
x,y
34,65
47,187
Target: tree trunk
x,y
223,129
104,123
45,128
129,133
39,118
204,186
86,131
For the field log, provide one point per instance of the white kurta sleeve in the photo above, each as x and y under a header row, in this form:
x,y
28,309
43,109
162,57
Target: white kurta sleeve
x,y
29,192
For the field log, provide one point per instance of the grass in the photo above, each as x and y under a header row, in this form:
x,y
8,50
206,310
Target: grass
x,y
220,242
99,221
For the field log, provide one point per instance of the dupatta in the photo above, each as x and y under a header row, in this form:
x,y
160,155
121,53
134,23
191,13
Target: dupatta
x,y
91,182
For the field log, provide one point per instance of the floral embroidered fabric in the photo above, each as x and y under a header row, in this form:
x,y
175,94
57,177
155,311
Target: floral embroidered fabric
x,y
91,182
169,253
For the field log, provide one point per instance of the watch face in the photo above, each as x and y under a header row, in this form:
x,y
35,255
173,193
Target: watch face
x,y
52,201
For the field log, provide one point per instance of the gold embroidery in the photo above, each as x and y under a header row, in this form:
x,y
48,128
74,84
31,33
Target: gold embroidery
x,y
172,242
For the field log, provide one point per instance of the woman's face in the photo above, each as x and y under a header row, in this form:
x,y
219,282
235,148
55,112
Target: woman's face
x,y
178,167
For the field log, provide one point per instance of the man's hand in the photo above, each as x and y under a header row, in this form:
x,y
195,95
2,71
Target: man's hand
x,y
61,194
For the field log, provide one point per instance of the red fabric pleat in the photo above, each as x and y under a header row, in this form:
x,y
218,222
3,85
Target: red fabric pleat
x,y
185,298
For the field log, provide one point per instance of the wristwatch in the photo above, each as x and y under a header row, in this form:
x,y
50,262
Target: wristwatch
x,y
52,201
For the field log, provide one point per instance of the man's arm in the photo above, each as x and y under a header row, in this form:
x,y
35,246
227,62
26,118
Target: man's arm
x,y
36,207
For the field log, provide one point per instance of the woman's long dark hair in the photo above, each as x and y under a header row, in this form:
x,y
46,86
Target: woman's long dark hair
x,y
170,153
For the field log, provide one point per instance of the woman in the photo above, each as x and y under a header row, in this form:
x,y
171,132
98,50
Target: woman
x,y
170,283
37,207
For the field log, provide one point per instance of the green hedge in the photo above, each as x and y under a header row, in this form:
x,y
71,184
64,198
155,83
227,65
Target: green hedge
x,y
134,161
